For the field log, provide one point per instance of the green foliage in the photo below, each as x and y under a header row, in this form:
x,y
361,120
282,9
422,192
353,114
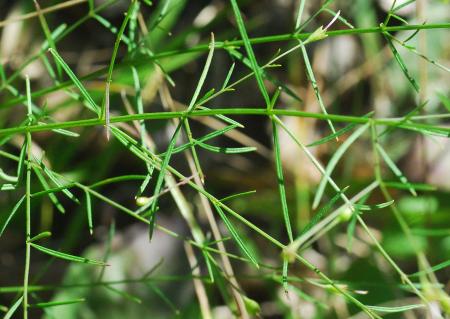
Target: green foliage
x,y
167,93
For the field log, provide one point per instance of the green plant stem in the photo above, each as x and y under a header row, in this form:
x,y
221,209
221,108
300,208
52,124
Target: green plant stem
x,y
221,45
27,229
231,111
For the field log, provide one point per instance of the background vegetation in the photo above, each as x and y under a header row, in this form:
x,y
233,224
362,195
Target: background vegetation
x,y
218,159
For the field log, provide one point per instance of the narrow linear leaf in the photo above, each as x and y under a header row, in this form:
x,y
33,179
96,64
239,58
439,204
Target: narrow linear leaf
x,y
39,236
47,188
207,257
338,133
435,268
8,178
8,187
89,211
228,77
401,63
11,215
21,163
226,150
236,236
395,309
13,308
313,81
239,56
250,53
373,207
281,184
333,162
431,232
66,132
234,196
90,102
68,257
55,180
445,101
173,140
319,215
57,303
124,294
202,139
395,169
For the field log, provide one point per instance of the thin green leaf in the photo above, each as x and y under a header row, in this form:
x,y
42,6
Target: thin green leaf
x,y
8,187
68,257
319,215
90,102
205,97
402,5
89,211
11,215
173,140
228,77
373,207
226,150
8,178
435,268
124,294
66,132
21,163
13,308
236,236
313,81
55,180
237,195
251,55
238,55
444,100
338,133
51,195
202,139
401,63
280,177
333,162
395,309
57,303
39,236
207,256
47,33
395,169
